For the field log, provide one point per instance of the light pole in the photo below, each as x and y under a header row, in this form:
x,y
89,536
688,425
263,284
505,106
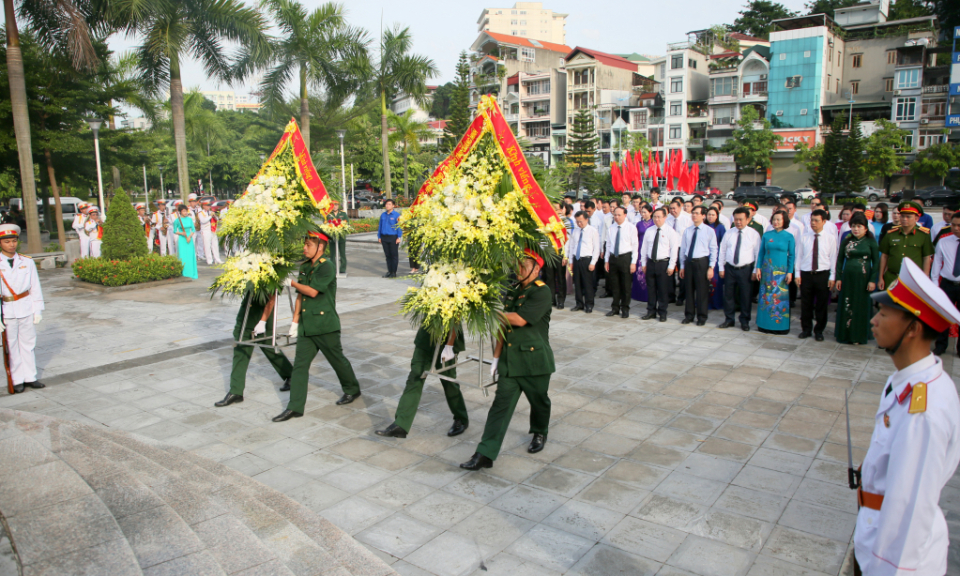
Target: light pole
x,y
163,193
852,102
95,124
146,191
343,167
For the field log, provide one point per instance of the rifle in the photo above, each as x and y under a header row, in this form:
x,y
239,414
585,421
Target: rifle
x,y
6,362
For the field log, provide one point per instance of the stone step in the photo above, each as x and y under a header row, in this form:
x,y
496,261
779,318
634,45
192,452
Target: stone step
x,y
169,511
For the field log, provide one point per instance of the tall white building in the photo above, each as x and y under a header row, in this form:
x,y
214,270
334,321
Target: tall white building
x,y
526,19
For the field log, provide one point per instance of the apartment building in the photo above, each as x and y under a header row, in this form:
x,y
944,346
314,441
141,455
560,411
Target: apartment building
x,y
526,20
497,57
684,78
230,100
533,106
404,102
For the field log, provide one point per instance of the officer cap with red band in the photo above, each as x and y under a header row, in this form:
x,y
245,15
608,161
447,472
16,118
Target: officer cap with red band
x,y
916,293
751,205
534,256
910,207
319,236
9,231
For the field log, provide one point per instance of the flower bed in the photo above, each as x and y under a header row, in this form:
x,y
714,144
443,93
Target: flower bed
x,y
361,225
122,272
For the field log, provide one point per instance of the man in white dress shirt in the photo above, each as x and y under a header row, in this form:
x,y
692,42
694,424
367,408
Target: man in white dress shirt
x,y
815,274
798,229
583,247
622,251
679,220
738,254
698,258
211,248
946,274
655,198
915,446
658,257
22,307
815,204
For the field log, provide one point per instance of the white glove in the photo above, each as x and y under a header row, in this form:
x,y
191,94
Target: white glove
x,y
293,330
448,354
260,328
37,317
493,367
288,281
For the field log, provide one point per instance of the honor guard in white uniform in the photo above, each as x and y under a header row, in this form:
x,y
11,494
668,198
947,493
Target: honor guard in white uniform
x,y
158,227
195,212
172,246
915,445
79,220
208,233
144,222
22,307
94,229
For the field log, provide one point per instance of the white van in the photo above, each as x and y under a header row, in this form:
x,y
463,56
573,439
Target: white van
x,y
67,203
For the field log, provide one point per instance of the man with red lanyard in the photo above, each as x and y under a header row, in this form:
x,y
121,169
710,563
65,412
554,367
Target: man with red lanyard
x,y
22,307
915,445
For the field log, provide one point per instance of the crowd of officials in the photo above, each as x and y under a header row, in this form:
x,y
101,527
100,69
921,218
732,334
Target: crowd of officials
x,y
752,268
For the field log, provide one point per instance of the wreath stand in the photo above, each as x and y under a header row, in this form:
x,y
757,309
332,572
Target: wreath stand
x,y
336,258
271,341
481,369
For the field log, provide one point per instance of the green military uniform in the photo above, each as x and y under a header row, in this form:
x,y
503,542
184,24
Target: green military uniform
x,y
897,245
319,330
756,226
424,348
341,242
242,354
526,363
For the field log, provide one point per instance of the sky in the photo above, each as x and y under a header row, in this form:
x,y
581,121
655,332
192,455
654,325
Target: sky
x,y
442,29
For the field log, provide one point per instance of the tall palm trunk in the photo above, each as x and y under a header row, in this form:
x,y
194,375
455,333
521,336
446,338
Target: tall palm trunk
x,y
179,129
21,127
406,178
386,146
58,209
304,106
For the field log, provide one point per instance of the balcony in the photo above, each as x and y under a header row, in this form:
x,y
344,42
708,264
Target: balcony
x,y
939,89
679,46
695,142
754,89
637,125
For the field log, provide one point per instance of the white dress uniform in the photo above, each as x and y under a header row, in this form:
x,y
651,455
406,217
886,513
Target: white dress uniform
x,y
22,307
172,247
78,225
156,231
210,247
95,234
914,450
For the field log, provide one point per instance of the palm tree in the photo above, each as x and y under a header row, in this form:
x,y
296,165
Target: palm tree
x,y
59,25
398,72
320,47
173,30
409,132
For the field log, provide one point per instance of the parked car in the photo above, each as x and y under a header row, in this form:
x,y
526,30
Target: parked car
x,y
759,194
873,194
668,197
780,193
806,193
934,195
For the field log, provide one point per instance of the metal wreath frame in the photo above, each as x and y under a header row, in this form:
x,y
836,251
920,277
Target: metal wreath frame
x,y
268,341
481,364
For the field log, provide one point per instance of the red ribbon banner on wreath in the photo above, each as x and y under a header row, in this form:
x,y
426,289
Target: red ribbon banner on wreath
x,y
292,140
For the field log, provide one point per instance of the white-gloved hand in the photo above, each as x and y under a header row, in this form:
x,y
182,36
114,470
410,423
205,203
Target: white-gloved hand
x,y
260,328
493,367
37,317
448,354
293,330
288,281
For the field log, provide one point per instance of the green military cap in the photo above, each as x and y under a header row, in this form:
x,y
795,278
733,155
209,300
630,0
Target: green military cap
x,y
910,206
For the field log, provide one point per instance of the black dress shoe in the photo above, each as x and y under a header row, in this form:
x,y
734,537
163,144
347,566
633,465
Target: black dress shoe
x,y
387,275
560,304
701,322
818,337
228,400
35,385
588,310
576,308
17,388
663,318
286,415
347,398
457,429
679,302
624,313
745,327
392,431
686,321
477,462
727,324
804,335
606,295
286,385
537,443
612,313
649,316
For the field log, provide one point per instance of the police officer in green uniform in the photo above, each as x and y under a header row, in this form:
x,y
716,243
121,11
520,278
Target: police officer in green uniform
x,y
318,328
242,354
423,351
337,214
908,240
524,359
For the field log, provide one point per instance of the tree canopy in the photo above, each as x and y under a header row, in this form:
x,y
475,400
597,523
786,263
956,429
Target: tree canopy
x,y
756,17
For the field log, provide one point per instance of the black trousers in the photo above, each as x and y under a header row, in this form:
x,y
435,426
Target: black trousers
x,y
583,286
598,273
555,279
952,291
697,288
658,287
620,281
737,281
793,292
391,251
814,299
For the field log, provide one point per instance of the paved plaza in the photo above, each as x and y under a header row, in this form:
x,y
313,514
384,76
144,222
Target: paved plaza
x,y
673,450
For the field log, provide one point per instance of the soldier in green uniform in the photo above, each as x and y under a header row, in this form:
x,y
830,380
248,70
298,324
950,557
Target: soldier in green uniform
x,y
524,359
337,214
318,327
908,240
424,348
242,354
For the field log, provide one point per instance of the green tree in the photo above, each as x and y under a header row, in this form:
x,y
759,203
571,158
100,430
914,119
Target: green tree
x,y
319,47
174,30
883,151
581,152
459,120
440,105
396,72
935,161
752,147
122,232
903,9
948,13
757,15
408,132
852,160
830,178
827,6
809,157
636,142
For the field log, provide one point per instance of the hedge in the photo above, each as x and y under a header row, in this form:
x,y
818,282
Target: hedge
x,y
122,272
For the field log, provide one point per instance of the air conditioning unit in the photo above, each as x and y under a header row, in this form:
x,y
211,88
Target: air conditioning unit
x,y
803,111
779,112
763,76
896,92
924,120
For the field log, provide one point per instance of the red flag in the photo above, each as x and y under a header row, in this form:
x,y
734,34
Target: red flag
x,y
696,175
638,167
615,177
627,171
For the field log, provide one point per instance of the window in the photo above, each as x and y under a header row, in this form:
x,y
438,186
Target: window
x,y
793,81
514,12
527,54
513,22
783,55
723,115
908,78
676,61
523,32
723,86
663,71
930,138
779,113
676,108
839,57
806,53
514,32
854,86
838,86
888,84
675,131
523,22
891,56
829,54
676,85
803,111
692,63
907,143
906,109
934,109
857,60
523,11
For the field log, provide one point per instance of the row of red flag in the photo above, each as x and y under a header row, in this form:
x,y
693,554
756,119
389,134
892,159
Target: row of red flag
x,y
676,172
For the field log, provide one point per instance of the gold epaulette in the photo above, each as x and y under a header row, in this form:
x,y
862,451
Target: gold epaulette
x,y
922,229
322,260
25,256
539,283
894,228
918,398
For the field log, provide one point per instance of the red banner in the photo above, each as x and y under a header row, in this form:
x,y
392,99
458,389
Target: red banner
x,y
309,178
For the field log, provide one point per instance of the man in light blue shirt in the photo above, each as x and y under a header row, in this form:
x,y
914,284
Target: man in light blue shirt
x,y
388,235
698,258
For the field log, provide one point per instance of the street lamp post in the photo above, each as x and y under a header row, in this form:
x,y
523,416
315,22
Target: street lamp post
x,y
146,191
343,167
852,102
163,193
95,124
